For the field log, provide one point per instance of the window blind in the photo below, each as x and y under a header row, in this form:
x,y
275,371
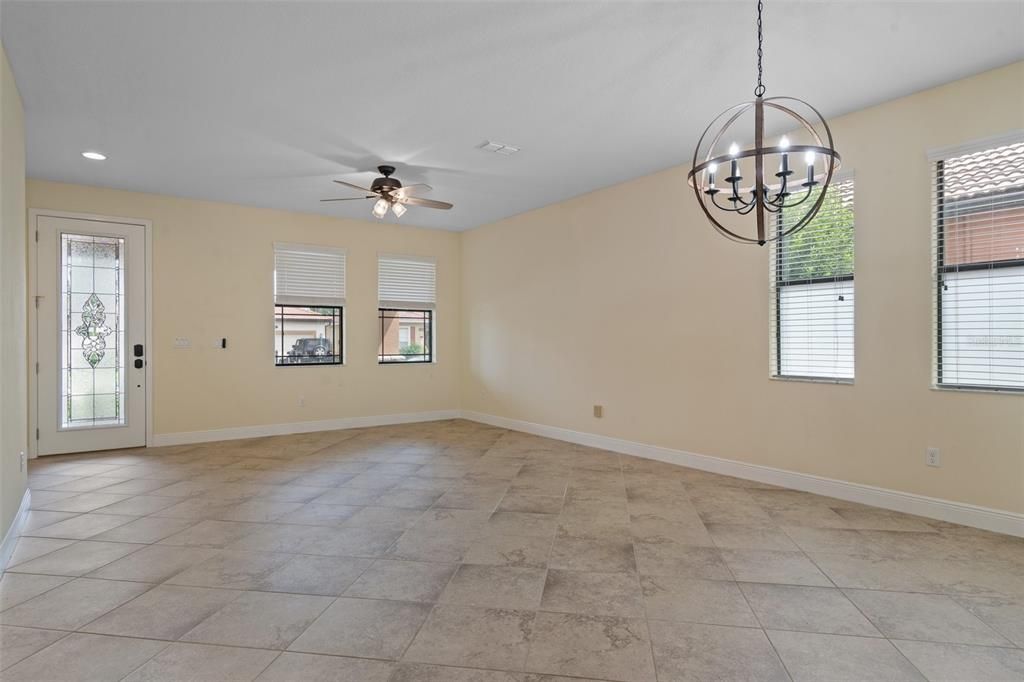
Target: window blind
x,y
309,275
812,292
978,253
406,282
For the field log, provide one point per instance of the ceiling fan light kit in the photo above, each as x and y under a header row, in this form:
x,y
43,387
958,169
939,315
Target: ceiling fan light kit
x,y
391,194
771,191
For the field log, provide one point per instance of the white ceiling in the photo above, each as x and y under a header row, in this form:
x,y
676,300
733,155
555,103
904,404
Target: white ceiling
x,y
264,103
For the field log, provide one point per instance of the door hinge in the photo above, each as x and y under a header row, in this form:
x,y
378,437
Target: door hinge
x,y
37,434
37,368
37,236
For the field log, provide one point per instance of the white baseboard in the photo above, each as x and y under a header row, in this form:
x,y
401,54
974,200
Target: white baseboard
x,y
11,537
235,433
994,520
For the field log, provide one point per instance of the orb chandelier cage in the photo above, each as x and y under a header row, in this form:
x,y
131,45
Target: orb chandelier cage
x,y
764,198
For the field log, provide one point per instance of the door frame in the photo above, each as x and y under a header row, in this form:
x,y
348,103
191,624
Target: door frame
x,y
33,319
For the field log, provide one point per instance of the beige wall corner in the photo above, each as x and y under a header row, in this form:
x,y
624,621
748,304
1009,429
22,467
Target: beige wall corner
x,y
638,305
13,281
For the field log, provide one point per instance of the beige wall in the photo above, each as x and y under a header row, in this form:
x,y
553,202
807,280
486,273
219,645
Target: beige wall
x,y
626,297
212,277
13,375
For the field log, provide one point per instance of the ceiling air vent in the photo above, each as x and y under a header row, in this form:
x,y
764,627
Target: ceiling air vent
x,y
499,148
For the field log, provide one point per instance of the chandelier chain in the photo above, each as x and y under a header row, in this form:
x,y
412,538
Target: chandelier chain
x,y
759,90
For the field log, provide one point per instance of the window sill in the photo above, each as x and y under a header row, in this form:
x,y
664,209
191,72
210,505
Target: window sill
x,y
813,380
969,389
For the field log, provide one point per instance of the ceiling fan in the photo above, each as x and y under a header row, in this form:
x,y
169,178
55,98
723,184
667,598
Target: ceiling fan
x,y
390,193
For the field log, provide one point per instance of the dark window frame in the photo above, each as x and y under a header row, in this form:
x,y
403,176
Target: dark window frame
x,y
336,358
941,269
427,357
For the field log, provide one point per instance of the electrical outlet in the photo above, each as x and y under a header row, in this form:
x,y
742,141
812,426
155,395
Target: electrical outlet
x,y
932,457
598,411
21,460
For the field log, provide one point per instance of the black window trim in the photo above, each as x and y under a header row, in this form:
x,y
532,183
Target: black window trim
x,y
339,357
427,335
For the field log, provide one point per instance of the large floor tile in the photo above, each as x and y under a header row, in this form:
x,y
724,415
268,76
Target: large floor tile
x,y
73,604
583,554
598,594
668,557
77,559
957,662
509,550
473,637
693,600
320,575
366,628
688,651
148,529
415,581
814,657
811,609
82,526
502,587
203,662
259,619
17,643
154,564
1003,614
28,548
165,612
232,570
765,566
929,617
211,533
591,646
85,658
16,588
871,573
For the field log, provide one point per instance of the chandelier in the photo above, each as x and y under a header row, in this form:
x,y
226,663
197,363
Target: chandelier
x,y
771,191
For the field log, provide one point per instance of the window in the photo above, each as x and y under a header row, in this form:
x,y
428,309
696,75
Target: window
x,y
407,291
309,300
812,292
979,266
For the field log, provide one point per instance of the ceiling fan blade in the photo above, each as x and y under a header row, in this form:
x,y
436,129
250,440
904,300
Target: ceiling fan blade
x,y
409,190
372,196
429,203
349,184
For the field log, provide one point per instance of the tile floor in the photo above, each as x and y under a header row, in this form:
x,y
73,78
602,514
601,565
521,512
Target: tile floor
x,y
453,551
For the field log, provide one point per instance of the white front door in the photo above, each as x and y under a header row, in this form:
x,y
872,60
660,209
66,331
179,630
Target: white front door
x,y
90,335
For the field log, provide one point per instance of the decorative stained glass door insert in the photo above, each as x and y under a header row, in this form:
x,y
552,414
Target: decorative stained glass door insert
x,y
90,285
92,337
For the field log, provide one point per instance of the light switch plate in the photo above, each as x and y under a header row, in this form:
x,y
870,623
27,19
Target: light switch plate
x,y
182,342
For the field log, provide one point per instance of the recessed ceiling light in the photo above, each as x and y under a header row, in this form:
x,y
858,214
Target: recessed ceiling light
x,y
94,156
